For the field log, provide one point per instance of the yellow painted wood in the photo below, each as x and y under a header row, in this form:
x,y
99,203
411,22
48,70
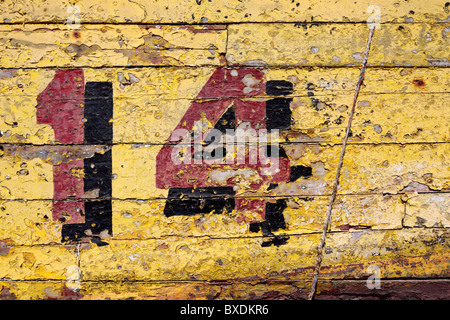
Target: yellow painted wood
x,y
27,223
188,259
391,168
384,168
337,45
177,258
154,290
246,44
191,290
148,110
25,179
203,11
379,118
170,83
35,290
229,290
392,208
428,210
37,262
145,219
387,168
399,253
31,46
31,223
195,290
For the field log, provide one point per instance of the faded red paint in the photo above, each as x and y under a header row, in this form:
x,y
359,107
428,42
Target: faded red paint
x,y
225,83
68,184
68,180
256,206
224,88
68,211
61,105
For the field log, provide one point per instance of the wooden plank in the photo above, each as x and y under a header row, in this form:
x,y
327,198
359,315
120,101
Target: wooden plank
x,y
202,290
224,259
147,109
389,289
32,46
367,169
201,11
379,118
184,290
174,83
408,118
354,255
32,222
194,259
195,290
387,168
257,45
335,45
405,166
278,290
145,219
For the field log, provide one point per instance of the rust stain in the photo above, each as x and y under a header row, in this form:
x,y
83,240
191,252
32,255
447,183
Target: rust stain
x,y
419,83
76,34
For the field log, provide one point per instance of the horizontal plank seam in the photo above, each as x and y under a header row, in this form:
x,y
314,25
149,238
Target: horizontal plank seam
x,y
231,281
73,246
275,67
144,144
443,191
223,22
320,93
106,65
217,65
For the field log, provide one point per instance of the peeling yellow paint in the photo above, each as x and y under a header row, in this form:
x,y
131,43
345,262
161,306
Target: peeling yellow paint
x,y
34,224
154,11
194,258
392,206
336,45
384,168
184,259
140,219
36,262
380,248
428,210
94,46
156,103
